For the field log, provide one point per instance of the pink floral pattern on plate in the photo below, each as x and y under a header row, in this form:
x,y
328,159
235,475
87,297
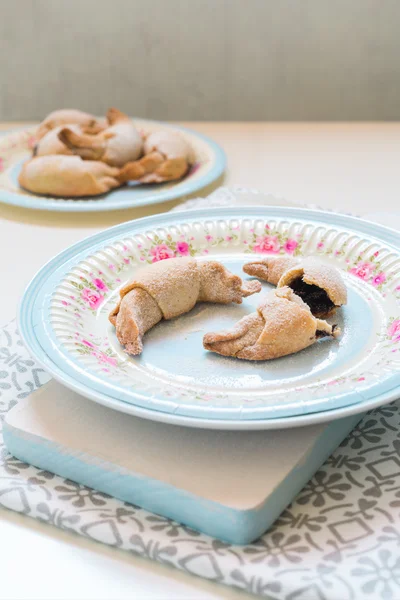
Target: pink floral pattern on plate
x,y
274,241
393,332
100,350
269,241
369,270
90,291
169,247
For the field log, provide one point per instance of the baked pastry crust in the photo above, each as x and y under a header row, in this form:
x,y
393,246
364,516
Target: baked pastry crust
x,y
270,268
282,325
67,176
117,145
167,156
319,285
171,288
50,143
70,116
325,277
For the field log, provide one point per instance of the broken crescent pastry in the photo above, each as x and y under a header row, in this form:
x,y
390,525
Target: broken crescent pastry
x,y
171,288
67,176
282,325
116,145
271,268
70,116
319,285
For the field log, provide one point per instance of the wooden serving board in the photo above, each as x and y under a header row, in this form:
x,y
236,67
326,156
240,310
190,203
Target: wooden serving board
x,y
231,485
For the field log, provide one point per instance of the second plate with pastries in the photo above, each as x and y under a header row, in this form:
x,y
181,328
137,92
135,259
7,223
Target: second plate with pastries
x,y
74,161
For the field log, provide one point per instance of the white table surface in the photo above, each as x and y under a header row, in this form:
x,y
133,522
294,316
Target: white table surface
x,y
349,167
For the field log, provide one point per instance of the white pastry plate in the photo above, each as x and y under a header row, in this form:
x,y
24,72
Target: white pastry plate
x,y
63,320
16,148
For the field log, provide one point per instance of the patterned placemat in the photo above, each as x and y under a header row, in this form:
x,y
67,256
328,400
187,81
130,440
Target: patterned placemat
x,y
339,540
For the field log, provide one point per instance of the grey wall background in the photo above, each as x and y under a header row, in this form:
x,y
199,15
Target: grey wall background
x,y
202,59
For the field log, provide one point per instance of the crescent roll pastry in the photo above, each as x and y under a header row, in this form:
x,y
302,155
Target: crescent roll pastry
x,y
167,156
67,176
171,288
51,144
70,116
282,325
319,285
116,145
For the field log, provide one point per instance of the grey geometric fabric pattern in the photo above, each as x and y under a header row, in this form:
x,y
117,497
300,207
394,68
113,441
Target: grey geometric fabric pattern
x,y
339,540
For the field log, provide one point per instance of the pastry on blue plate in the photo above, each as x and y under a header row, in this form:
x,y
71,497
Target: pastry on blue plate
x,y
319,285
282,325
68,176
168,289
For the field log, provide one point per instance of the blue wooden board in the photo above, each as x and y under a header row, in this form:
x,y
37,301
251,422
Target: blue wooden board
x,y
231,485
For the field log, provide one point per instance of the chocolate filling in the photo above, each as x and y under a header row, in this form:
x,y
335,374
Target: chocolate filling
x,y
321,334
316,298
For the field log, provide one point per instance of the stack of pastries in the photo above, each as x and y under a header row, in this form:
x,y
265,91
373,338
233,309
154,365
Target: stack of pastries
x,y
289,319
78,155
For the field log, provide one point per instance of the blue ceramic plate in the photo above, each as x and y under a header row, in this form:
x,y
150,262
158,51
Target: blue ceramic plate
x,y
63,319
16,147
